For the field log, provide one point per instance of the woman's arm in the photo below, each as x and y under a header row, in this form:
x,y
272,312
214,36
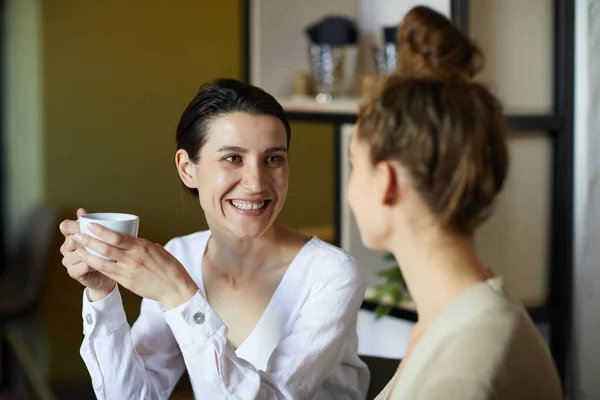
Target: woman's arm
x,y
299,364
143,362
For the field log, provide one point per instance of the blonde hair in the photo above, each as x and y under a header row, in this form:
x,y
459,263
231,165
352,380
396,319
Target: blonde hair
x,y
449,133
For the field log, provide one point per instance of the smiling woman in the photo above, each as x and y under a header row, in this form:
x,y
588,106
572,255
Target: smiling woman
x,y
252,309
247,156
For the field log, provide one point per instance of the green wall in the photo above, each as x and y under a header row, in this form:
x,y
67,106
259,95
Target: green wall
x,y
23,122
117,75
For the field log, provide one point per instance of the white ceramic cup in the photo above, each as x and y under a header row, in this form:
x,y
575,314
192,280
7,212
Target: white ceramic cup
x,y
127,224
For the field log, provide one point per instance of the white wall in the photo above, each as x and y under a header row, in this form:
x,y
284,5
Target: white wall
x,y
280,25
23,112
516,37
586,349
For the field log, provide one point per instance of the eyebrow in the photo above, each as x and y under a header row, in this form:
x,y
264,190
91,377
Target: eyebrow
x,y
275,149
242,150
232,149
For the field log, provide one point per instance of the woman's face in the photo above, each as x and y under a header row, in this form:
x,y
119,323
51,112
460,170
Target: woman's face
x,y
242,173
366,191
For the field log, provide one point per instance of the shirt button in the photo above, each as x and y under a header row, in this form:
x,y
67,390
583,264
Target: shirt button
x,y
89,319
199,318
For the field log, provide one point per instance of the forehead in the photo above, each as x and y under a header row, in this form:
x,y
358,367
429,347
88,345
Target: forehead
x,y
246,130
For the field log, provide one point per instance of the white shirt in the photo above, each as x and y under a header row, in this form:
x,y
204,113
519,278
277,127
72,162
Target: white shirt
x,y
303,347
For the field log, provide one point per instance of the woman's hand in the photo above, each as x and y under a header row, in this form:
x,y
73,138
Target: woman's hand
x,y
145,268
99,285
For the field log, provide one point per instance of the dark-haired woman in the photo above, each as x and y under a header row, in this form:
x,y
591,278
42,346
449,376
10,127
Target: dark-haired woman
x,y
252,309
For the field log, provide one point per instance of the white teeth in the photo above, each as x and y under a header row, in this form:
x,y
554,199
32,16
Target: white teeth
x,y
248,205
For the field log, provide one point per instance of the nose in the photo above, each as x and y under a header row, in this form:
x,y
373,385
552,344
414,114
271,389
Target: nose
x,y
254,178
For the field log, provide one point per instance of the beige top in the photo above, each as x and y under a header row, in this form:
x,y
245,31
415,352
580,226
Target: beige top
x,y
483,346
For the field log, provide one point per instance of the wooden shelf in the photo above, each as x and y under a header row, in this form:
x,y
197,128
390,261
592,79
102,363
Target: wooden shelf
x,y
349,105
345,109
541,315
308,104
396,312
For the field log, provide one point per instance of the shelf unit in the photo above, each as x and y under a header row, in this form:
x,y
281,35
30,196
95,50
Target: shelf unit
x,y
538,314
555,120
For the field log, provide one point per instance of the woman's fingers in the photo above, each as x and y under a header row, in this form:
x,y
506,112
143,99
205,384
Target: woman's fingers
x,y
125,242
98,246
70,259
69,246
106,267
79,270
68,227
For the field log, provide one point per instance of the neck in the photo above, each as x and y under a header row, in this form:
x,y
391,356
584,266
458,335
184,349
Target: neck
x,y
437,267
240,260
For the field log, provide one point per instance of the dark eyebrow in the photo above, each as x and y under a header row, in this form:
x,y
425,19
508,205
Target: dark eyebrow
x,y
276,149
233,149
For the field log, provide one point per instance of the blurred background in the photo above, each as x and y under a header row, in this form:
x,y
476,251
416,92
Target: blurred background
x,y
92,92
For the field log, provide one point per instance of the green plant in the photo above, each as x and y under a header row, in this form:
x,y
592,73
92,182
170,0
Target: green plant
x,y
394,288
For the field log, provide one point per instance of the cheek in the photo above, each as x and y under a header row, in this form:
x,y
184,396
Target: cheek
x,y
359,195
352,191
221,181
280,178
214,181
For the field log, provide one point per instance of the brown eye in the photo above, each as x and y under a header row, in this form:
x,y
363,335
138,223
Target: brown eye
x,y
234,159
274,159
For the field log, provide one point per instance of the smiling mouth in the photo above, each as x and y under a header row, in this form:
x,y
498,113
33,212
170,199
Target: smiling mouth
x,y
249,205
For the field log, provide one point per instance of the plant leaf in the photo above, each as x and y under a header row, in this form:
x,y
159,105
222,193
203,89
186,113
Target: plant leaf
x,y
389,257
382,310
389,288
392,274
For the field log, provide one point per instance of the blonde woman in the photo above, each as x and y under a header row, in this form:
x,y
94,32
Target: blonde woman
x,y
428,159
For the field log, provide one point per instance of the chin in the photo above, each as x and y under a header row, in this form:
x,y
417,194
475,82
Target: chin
x,y
373,240
372,244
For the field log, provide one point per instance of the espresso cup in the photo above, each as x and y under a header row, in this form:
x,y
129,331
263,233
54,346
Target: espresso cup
x,y
127,224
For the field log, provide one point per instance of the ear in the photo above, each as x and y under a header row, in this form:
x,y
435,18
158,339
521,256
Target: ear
x,y
387,183
185,168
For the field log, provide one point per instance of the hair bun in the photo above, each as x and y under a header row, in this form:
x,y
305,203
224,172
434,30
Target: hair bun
x,y
432,47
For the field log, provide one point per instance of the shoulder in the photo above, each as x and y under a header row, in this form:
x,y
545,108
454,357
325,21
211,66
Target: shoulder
x,y
502,342
489,335
449,388
491,332
322,261
327,257
187,246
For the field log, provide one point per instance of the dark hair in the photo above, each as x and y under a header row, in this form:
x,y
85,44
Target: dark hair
x,y
431,46
449,133
216,99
